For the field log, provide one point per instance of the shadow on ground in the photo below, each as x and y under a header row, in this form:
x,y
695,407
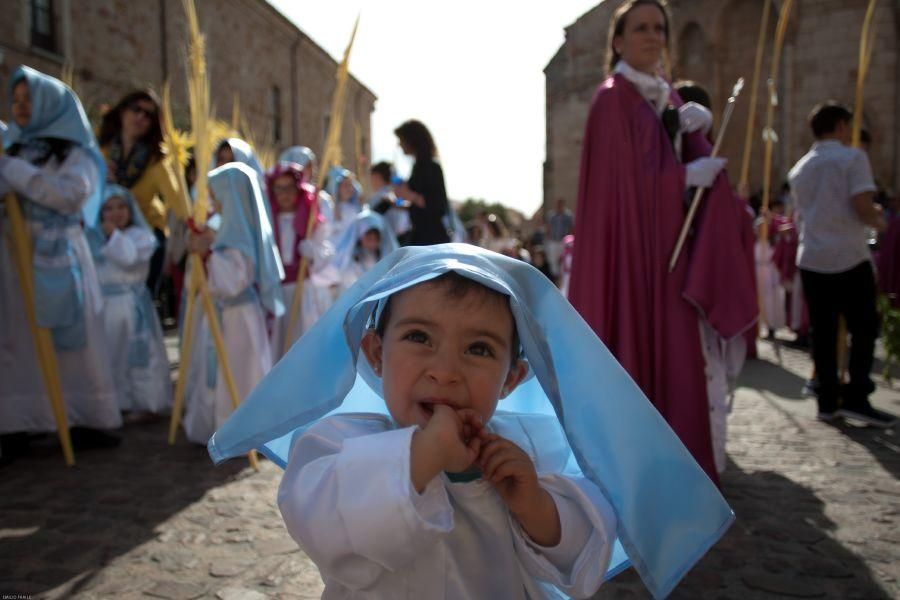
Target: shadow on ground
x,y
59,524
780,544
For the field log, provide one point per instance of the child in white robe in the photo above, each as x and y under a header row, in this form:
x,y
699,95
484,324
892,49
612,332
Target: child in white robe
x,y
346,193
293,202
403,481
122,246
366,241
244,276
53,165
768,282
456,490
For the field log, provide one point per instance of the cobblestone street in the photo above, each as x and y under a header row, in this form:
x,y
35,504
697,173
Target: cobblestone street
x,y
818,509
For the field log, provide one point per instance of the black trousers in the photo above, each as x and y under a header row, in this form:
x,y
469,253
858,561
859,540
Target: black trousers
x,y
830,295
156,263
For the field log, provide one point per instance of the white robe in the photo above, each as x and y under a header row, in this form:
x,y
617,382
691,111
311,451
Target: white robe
x,y
318,295
723,361
771,292
340,222
347,498
229,273
85,376
146,388
355,270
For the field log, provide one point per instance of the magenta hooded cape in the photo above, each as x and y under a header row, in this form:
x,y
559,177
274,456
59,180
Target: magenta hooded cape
x,y
631,206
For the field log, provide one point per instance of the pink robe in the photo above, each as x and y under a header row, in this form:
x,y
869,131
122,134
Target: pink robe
x,y
889,261
631,206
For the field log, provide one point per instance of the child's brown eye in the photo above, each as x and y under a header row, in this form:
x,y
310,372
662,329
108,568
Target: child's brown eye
x,y
418,337
481,349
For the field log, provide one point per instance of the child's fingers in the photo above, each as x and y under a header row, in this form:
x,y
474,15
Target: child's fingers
x,y
514,468
488,450
496,459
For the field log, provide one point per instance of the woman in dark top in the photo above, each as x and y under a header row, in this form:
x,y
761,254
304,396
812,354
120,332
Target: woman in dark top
x,y
425,189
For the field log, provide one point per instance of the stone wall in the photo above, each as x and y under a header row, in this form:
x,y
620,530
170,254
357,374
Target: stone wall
x,y
715,44
118,45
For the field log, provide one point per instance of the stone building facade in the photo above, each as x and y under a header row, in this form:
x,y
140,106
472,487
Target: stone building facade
x,y
283,80
714,44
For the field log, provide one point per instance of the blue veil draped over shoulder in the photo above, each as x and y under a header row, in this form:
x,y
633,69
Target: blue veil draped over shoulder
x,y
669,512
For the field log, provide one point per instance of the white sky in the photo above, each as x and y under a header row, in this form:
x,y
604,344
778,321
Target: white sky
x,y
472,71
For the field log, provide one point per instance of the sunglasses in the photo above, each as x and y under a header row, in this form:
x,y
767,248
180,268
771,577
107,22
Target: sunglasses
x,y
288,187
140,110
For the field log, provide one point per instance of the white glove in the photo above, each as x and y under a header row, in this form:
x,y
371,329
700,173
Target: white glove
x,y
307,249
703,171
695,117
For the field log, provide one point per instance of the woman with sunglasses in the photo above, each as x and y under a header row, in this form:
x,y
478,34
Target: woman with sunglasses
x,y
130,137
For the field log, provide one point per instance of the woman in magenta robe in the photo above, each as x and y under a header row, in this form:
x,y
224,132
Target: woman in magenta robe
x,y
643,150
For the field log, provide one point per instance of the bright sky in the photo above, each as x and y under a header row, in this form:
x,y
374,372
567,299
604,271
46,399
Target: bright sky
x,y
472,71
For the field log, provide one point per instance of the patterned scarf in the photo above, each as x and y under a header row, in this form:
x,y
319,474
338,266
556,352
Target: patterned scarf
x,y
129,168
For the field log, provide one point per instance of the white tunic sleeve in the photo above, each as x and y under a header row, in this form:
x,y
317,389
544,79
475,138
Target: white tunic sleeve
x,y
579,562
350,504
130,247
323,250
64,189
229,273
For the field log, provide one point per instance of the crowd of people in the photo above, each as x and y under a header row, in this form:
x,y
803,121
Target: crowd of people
x,y
108,212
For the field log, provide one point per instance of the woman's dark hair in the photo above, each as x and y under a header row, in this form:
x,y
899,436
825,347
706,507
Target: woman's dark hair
x,y
111,126
825,117
457,287
617,26
417,138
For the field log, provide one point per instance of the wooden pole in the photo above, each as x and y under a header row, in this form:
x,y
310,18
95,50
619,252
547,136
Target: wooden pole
x,y
743,183
330,156
20,248
769,134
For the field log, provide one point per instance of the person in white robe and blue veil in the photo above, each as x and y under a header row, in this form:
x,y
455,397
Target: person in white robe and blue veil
x,y
571,427
368,239
244,275
52,163
123,244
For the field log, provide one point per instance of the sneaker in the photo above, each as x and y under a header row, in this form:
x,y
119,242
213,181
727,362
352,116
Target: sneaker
x,y
827,417
868,415
809,388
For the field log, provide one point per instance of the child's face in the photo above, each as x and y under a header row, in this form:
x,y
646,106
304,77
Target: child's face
x,y
116,211
376,181
371,240
224,155
345,189
285,190
442,350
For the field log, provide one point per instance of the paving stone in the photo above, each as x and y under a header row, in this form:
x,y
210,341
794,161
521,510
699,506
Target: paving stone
x,y
173,590
236,593
228,568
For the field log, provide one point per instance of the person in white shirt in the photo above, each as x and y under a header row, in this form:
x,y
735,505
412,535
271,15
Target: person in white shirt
x,y
122,246
833,192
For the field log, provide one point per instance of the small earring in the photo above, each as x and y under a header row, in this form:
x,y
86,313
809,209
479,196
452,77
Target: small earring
x,y
377,368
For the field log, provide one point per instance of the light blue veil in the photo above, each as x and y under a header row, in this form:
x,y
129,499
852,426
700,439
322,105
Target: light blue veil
x,y
245,226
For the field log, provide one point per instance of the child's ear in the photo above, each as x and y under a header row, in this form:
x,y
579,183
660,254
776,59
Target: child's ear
x,y
372,346
514,377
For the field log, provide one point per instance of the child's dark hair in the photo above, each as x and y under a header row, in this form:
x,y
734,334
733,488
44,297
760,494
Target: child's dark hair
x,y
457,287
825,117
384,170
